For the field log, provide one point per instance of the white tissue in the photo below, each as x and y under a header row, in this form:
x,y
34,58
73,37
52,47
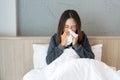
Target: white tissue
x,y
69,38
73,33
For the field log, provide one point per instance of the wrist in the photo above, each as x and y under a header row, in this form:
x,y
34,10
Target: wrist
x,y
62,44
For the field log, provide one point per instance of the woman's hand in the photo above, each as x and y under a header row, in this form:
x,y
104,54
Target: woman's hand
x,y
64,38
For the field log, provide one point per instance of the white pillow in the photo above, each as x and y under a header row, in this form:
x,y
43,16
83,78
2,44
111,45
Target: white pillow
x,y
97,50
118,72
39,56
40,53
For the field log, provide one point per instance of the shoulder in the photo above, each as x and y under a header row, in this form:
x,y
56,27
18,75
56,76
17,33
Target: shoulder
x,y
84,36
53,38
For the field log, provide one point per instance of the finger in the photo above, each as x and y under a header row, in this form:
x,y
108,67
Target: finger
x,y
67,33
64,34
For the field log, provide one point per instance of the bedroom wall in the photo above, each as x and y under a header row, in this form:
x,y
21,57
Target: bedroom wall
x,y
16,54
99,17
40,17
8,18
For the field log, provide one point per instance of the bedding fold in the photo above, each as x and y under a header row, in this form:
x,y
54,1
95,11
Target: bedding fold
x,y
70,67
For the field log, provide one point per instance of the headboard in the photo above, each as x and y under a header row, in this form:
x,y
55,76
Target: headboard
x,y
16,53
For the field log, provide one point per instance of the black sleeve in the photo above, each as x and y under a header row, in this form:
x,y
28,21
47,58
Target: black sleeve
x,y
54,50
84,49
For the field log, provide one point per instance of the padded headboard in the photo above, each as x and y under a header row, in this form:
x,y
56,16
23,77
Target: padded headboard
x,y
16,53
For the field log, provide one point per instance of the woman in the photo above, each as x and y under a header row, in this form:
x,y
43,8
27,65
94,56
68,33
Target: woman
x,y
69,20
64,59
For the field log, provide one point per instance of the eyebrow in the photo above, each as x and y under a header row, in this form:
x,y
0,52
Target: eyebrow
x,y
71,25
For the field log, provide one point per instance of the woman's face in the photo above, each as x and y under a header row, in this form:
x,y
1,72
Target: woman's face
x,y
70,24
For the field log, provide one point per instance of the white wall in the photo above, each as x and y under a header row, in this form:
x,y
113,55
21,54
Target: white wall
x,y
40,17
8,18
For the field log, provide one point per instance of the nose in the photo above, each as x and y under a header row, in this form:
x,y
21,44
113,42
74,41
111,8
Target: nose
x,y
70,27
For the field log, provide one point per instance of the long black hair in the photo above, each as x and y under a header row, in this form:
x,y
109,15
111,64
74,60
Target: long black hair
x,y
66,15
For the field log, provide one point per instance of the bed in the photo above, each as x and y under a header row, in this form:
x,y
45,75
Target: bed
x,y
39,61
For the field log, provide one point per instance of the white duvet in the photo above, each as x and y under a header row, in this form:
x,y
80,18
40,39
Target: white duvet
x,y
70,67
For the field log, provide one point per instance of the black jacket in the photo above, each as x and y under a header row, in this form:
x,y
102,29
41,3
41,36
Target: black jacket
x,y
55,50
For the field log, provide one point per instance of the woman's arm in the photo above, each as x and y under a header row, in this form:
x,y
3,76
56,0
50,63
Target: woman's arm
x,y
54,50
84,49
